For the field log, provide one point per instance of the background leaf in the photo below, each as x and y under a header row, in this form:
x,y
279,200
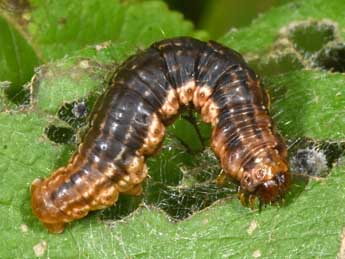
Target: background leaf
x,y
306,103
17,60
61,27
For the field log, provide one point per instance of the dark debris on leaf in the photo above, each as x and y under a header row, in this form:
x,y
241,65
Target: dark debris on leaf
x,y
74,113
314,158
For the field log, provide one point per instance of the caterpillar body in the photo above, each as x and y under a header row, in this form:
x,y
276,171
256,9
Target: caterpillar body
x,y
128,123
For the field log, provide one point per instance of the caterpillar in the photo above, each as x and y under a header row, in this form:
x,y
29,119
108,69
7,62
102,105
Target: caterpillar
x,y
128,123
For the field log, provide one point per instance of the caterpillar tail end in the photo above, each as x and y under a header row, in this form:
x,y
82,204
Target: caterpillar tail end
x,y
43,209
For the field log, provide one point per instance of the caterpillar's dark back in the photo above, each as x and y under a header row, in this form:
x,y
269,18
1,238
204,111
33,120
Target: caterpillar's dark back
x,y
128,124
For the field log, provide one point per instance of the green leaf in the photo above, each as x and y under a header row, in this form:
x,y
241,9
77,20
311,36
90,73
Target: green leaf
x,y
304,104
17,59
61,27
55,29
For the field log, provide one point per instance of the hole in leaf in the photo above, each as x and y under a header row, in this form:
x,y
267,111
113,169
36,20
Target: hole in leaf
x,y
124,206
180,183
309,37
18,95
180,203
332,58
195,190
278,64
60,134
191,133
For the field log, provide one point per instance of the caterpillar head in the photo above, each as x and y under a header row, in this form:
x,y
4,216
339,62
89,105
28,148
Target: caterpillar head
x,y
267,178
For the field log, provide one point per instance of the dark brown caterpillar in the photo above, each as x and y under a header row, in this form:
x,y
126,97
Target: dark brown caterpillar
x,y
129,120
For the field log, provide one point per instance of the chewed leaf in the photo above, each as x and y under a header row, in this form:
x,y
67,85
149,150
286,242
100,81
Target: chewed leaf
x,y
268,26
304,103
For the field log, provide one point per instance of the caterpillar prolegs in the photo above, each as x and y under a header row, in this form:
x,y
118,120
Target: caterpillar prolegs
x,y
129,120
